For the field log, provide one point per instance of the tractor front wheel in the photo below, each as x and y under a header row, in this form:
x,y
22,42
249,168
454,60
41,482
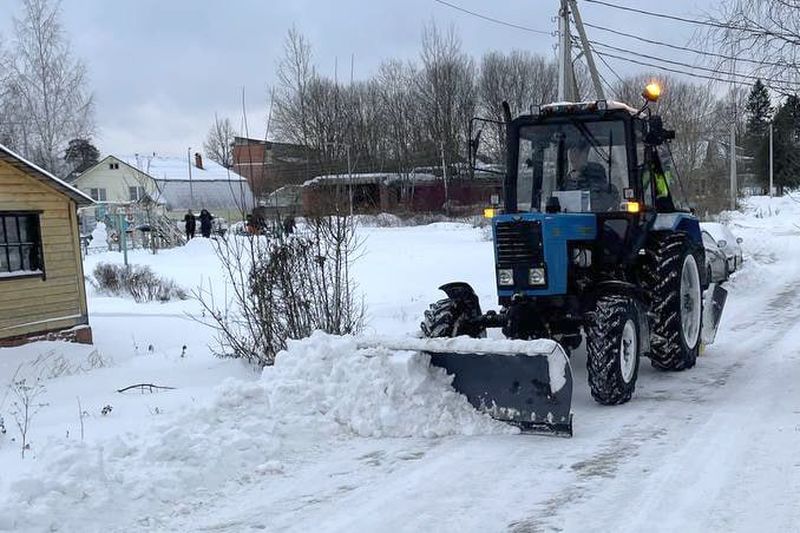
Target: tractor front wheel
x,y
445,318
612,349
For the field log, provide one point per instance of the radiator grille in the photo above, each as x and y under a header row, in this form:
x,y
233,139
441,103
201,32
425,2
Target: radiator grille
x,y
519,242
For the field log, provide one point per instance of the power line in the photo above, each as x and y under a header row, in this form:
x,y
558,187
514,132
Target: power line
x,y
708,23
492,19
682,64
677,71
683,48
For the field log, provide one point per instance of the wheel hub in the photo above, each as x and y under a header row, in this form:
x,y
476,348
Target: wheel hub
x,y
627,351
690,301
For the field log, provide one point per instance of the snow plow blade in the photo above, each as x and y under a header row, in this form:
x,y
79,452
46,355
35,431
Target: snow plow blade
x,y
524,383
713,304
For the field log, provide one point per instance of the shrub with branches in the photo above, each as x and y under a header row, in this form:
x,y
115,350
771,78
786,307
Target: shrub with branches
x,y
137,281
284,286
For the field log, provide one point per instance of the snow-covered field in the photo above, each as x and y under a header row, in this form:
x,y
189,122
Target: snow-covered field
x,y
333,438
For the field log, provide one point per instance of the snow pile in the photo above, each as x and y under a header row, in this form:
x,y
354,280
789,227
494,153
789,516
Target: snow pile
x,y
369,392
320,389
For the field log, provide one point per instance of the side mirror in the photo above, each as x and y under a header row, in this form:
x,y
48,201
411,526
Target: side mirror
x,y
739,240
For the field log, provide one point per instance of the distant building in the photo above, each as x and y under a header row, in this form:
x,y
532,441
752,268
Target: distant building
x,y
421,192
42,293
171,182
269,165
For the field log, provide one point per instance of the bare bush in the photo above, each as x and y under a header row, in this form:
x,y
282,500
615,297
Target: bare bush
x,y
138,281
284,286
25,407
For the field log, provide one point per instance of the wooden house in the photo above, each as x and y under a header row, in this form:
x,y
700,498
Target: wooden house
x,y
42,292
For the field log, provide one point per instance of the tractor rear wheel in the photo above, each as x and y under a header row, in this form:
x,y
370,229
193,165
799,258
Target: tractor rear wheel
x,y
672,278
612,349
445,319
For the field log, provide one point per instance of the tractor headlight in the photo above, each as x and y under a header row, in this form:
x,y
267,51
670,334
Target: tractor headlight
x,y
536,276
505,276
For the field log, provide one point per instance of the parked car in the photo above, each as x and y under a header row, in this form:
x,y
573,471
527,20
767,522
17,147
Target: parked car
x,y
716,262
728,242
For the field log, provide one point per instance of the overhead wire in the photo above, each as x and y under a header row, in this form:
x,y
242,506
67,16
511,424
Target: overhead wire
x,y
707,23
683,64
683,48
780,90
492,19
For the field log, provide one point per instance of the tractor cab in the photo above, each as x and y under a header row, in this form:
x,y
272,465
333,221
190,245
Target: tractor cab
x,y
589,157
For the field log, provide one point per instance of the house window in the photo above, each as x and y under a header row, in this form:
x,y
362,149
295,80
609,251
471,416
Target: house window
x,y
20,245
98,195
137,194
113,166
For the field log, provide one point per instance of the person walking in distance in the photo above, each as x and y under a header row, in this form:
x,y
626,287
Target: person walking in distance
x,y
189,224
205,223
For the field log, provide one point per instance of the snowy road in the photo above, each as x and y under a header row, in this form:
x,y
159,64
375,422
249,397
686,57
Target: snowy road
x,y
713,449
710,449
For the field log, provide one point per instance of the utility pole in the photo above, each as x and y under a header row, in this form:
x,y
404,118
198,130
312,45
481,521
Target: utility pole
x,y
734,185
191,190
587,51
444,175
565,73
770,159
350,178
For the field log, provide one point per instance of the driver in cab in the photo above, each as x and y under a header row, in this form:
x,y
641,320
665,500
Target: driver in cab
x,y
588,176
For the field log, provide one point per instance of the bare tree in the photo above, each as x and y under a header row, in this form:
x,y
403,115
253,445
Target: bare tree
x,y
519,78
762,36
218,145
46,86
446,89
295,73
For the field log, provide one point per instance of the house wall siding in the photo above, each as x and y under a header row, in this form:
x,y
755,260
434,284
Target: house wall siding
x,y
115,181
31,305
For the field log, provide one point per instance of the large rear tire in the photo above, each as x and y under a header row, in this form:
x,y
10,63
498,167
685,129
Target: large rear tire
x,y
672,278
612,349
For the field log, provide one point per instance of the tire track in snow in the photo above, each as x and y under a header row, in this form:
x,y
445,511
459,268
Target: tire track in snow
x,y
700,451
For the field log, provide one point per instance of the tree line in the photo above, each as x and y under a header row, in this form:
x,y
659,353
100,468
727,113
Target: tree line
x,y
414,116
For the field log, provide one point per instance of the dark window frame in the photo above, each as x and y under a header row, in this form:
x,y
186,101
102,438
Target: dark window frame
x,y
38,243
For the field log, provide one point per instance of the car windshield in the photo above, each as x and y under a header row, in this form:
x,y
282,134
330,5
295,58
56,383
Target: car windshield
x,y
581,163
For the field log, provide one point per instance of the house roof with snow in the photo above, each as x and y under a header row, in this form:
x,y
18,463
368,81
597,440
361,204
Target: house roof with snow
x,y
17,161
176,168
366,178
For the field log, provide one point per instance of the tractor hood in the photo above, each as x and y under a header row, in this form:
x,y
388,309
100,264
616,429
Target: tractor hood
x,y
531,250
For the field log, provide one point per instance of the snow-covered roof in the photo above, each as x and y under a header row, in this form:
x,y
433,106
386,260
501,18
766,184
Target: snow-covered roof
x,y
213,195
365,178
16,160
176,168
610,104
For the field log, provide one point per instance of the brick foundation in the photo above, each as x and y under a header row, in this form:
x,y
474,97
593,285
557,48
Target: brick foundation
x,y
79,334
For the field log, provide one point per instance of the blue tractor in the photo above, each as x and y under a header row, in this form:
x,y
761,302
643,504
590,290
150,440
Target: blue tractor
x,y
593,244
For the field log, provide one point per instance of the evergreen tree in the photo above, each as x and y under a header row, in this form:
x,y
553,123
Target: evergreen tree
x,y
756,141
786,144
80,155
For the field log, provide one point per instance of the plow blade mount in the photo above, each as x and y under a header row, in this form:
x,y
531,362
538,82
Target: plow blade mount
x,y
713,304
524,383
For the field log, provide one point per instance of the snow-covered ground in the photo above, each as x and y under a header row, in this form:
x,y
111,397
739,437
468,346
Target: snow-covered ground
x,y
333,438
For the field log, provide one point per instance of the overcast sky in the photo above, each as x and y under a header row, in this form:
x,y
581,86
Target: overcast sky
x,y
160,69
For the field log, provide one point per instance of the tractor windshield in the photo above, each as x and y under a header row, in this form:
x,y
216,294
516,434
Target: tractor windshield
x,y
581,163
